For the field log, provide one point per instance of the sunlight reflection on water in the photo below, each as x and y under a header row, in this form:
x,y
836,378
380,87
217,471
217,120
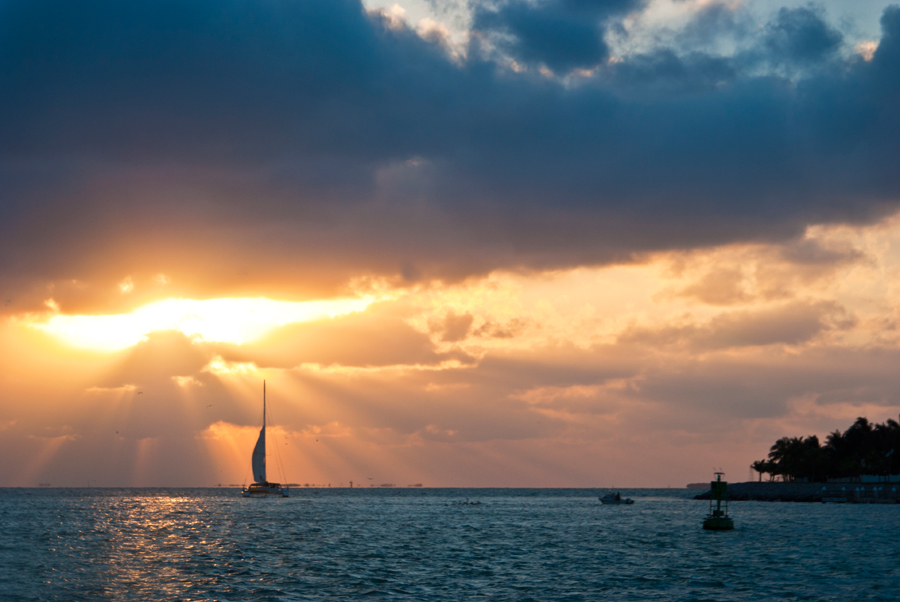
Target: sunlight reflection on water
x,y
71,544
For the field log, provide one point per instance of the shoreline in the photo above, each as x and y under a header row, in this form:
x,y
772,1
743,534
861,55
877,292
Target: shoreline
x,y
851,493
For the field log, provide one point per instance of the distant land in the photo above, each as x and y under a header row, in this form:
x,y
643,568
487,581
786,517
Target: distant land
x,y
844,492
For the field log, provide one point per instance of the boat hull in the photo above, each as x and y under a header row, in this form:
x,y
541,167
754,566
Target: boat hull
x,y
266,490
614,502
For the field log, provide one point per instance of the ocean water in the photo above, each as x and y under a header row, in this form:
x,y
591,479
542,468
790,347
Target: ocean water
x,y
422,544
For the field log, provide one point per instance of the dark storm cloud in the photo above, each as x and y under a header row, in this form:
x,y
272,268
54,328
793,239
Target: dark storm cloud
x,y
170,81
318,140
801,35
561,34
666,71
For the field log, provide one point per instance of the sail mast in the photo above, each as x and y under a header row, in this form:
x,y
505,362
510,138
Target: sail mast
x,y
258,459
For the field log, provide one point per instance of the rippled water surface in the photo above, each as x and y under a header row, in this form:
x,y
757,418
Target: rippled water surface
x,y
422,544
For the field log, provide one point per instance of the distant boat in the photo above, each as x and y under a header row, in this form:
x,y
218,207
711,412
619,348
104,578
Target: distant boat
x,y
615,499
261,486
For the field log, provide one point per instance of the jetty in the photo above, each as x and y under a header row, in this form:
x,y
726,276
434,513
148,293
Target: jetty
x,y
844,492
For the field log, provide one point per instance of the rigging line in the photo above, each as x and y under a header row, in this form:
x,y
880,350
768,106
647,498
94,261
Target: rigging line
x,y
277,451
250,469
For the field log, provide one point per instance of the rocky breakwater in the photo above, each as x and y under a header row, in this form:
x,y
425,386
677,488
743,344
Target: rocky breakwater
x,y
852,493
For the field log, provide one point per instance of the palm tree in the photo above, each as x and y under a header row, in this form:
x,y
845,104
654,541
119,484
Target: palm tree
x,y
786,455
760,466
860,445
811,456
834,452
864,446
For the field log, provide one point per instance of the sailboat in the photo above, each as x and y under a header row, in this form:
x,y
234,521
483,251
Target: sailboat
x,y
261,486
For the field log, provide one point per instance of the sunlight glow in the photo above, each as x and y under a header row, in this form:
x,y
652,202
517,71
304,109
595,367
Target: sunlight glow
x,y
220,367
215,320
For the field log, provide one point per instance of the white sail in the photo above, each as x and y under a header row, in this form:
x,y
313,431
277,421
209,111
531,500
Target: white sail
x,y
259,452
259,457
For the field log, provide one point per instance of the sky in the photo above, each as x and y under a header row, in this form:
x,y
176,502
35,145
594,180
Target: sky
x,y
512,243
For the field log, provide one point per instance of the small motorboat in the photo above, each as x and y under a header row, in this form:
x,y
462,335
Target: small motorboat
x,y
615,498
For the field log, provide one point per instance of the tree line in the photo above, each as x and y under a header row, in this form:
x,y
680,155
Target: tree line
x,y
864,448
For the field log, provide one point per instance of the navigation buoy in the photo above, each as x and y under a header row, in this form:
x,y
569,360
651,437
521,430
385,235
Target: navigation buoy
x,y
718,519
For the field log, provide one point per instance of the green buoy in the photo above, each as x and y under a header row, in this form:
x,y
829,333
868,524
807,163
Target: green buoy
x,y
718,519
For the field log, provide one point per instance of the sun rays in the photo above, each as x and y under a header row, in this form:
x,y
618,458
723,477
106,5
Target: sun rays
x,y
509,379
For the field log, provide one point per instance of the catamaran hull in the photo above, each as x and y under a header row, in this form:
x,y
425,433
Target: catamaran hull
x,y
265,490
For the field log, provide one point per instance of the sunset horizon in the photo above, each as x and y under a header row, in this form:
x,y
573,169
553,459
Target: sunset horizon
x,y
513,244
